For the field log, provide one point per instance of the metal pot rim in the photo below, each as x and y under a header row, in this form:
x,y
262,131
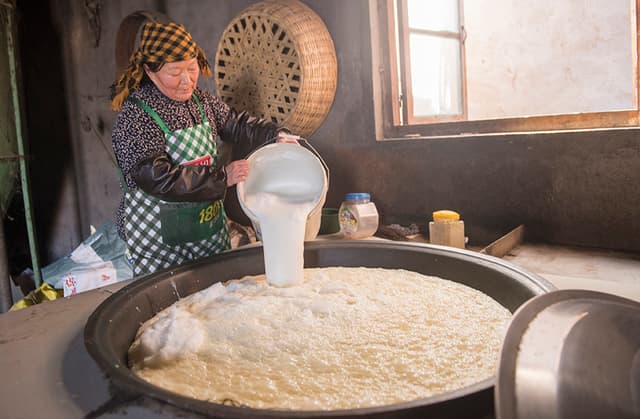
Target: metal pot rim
x,y
557,315
98,346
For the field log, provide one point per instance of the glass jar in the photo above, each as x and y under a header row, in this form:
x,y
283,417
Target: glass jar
x,y
358,216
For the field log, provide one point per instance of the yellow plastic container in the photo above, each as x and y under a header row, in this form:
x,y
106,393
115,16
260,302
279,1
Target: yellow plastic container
x,y
447,229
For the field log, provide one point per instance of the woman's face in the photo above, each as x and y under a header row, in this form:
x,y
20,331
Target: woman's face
x,y
176,80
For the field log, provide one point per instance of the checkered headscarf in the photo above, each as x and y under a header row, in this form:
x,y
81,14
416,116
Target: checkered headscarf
x,y
159,43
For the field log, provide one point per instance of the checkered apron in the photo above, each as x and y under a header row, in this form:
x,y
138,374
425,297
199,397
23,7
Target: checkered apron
x,y
161,234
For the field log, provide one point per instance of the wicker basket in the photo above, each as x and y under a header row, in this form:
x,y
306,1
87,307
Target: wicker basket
x,y
276,60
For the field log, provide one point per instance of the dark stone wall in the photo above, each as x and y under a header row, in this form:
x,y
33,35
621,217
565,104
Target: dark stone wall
x,y
576,188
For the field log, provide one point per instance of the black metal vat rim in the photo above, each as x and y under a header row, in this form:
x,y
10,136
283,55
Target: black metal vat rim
x,y
125,380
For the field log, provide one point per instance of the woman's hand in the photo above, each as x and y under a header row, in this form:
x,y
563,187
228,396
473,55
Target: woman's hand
x,y
237,171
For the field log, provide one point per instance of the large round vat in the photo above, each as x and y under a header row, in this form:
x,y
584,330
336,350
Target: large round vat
x,y
111,328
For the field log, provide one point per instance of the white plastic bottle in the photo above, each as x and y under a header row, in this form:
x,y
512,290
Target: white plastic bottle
x,y
358,216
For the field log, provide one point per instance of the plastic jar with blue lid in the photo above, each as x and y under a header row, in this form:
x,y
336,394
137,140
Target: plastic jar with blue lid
x,y
358,216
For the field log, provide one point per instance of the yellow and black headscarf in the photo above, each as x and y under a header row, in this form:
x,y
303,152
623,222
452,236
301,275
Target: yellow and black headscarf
x,y
159,43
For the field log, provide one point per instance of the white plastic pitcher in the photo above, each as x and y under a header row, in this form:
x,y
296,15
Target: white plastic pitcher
x,y
291,171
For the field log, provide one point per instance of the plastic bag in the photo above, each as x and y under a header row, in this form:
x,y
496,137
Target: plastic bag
x,y
98,261
41,294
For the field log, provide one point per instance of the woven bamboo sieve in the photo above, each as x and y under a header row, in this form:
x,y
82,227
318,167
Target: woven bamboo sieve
x,y
276,60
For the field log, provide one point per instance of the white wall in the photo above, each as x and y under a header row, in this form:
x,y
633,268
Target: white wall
x,y
549,56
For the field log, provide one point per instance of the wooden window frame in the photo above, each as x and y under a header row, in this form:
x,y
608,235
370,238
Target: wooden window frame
x,y
388,118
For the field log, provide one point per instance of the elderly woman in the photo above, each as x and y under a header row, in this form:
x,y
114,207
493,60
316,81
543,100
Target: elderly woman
x,y
164,140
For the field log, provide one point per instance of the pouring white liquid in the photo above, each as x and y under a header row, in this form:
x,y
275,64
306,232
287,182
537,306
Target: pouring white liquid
x,y
283,196
282,226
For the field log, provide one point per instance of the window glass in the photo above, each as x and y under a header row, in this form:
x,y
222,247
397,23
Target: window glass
x,y
435,15
467,67
435,76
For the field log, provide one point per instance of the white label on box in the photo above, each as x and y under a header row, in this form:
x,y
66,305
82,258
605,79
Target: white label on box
x,y
89,277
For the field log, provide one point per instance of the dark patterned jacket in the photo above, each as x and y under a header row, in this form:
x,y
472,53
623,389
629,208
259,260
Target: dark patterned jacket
x,y
139,145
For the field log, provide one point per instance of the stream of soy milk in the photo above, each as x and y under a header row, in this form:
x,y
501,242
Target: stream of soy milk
x,y
282,227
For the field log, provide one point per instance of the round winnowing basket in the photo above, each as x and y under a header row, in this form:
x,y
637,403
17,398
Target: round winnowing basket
x,y
276,60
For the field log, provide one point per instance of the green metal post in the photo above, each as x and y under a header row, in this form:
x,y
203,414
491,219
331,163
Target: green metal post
x,y
24,174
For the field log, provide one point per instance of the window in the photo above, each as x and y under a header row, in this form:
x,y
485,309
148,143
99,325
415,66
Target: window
x,y
466,67
431,72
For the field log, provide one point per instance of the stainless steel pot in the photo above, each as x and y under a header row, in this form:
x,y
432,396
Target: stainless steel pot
x,y
111,328
571,354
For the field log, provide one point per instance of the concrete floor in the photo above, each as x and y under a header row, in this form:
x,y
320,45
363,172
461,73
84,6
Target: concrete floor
x,y
607,271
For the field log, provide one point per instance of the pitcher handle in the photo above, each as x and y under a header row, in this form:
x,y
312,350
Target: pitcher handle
x,y
305,143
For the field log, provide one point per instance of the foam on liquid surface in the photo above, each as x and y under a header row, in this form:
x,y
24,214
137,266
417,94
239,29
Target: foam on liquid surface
x,y
343,338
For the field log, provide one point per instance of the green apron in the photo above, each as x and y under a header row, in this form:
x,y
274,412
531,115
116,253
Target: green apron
x,y
162,234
